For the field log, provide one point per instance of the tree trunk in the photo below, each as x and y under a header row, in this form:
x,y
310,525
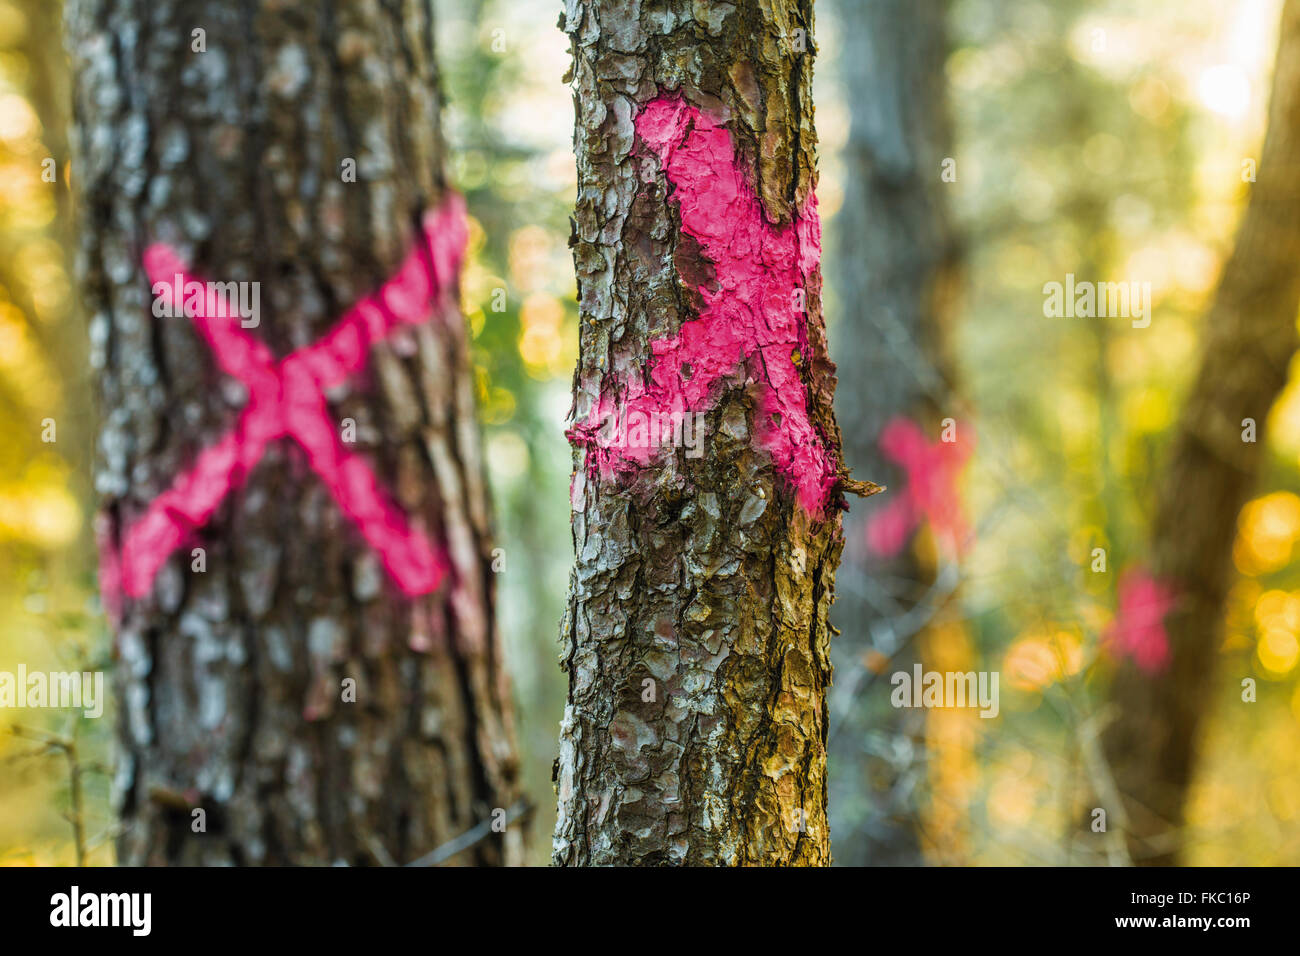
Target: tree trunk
x,y
306,653
1249,337
696,637
895,276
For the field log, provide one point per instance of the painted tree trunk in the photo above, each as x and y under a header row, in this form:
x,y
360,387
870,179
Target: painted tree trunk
x,y
696,636
1249,338
895,273
294,535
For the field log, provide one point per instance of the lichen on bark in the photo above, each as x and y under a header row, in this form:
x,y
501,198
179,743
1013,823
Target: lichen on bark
x,y
696,635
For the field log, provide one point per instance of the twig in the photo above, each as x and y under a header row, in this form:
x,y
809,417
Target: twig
x,y
67,745
470,837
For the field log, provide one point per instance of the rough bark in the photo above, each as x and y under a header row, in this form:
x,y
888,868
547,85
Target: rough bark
x,y
696,636
1249,338
229,681
895,275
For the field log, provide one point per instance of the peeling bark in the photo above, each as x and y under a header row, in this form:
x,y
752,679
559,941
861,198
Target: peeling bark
x,y
1249,338
696,636
229,680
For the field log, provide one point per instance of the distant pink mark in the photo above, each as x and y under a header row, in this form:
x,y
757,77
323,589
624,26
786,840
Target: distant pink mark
x,y
286,400
752,311
930,492
1138,630
110,570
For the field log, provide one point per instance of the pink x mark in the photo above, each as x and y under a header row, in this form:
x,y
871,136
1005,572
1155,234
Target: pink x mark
x,y
752,319
286,400
931,491
1138,630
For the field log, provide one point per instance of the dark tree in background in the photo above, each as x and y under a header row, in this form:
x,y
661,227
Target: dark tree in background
x,y
226,131
696,637
1248,340
895,280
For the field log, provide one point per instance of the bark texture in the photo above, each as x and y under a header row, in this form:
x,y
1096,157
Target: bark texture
x,y
229,681
1249,338
696,636
895,274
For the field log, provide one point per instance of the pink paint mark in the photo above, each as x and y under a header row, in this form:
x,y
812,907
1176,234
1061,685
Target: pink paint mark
x,y
930,492
286,400
1138,630
110,570
752,312
890,527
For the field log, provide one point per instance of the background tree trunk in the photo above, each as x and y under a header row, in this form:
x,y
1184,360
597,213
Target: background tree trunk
x,y
696,636
1249,337
229,681
895,278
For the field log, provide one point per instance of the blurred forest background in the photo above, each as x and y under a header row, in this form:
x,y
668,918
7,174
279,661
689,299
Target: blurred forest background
x,y
1105,139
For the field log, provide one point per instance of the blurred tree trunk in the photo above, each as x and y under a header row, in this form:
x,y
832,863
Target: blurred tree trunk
x,y
230,680
1249,337
696,637
895,279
